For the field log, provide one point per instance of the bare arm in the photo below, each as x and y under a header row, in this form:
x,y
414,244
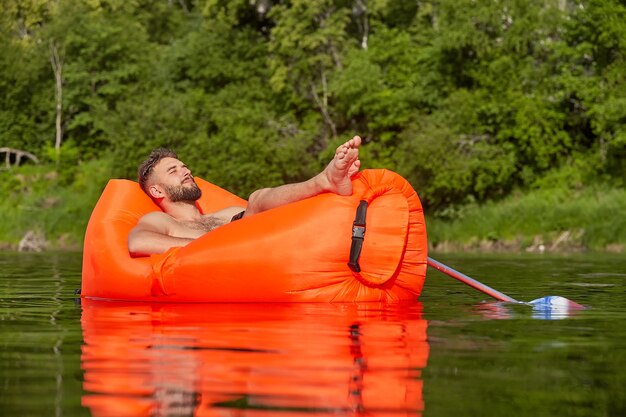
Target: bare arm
x,y
269,198
157,232
152,236
336,178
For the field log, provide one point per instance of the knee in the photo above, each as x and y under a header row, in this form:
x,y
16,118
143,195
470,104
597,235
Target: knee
x,y
254,202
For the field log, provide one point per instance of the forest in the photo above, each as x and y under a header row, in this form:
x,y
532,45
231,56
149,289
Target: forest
x,y
517,104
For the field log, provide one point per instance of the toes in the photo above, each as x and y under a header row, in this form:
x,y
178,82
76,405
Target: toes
x,y
349,152
355,141
354,169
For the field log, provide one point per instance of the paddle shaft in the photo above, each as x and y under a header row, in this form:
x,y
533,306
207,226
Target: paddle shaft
x,y
470,281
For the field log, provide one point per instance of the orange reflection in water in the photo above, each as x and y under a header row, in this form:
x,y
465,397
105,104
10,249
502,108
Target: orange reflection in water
x,y
289,360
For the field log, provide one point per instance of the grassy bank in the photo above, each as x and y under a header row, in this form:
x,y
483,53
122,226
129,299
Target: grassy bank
x,y
54,203
593,218
51,203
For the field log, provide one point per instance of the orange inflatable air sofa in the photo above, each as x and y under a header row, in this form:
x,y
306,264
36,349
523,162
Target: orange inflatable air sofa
x,y
295,253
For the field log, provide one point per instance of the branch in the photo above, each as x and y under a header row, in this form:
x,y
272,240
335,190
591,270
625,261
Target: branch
x,y
322,105
183,4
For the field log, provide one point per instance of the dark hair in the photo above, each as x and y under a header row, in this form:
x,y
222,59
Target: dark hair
x,y
145,169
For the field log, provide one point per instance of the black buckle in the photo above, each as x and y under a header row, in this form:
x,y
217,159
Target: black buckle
x,y
358,232
358,235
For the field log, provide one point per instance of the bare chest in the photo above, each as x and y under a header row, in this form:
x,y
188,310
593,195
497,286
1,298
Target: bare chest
x,y
196,228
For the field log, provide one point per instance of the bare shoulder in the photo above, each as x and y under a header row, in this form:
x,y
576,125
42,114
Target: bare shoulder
x,y
156,216
157,221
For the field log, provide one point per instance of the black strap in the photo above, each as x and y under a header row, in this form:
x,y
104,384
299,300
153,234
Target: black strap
x,y
358,235
237,216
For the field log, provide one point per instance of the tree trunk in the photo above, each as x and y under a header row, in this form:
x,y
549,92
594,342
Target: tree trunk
x,y
361,7
57,68
322,104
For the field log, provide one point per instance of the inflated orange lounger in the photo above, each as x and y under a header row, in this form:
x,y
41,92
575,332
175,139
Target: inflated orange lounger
x,y
294,253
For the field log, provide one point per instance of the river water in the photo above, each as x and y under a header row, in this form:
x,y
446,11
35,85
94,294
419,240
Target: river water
x,y
452,353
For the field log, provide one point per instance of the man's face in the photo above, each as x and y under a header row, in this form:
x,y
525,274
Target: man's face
x,y
175,180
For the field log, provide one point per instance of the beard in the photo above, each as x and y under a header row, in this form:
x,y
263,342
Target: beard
x,y
181,192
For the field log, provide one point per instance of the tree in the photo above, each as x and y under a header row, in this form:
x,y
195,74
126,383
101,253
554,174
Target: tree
x,y
25,104
306,47
596,36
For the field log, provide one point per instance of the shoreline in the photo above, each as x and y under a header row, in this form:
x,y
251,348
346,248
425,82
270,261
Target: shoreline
x,y
515,246
490,246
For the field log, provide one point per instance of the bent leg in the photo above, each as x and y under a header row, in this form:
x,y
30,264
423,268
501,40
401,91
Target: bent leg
x,y
335,178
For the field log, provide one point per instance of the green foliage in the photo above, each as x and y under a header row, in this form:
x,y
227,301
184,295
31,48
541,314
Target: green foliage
x,y
598,33
589,218
39,198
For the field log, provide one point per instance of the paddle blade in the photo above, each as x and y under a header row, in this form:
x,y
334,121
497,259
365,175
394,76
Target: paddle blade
x,y
554,307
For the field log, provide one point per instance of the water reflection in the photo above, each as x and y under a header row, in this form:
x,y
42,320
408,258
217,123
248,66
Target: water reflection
x,y
494,310
253,359
546,308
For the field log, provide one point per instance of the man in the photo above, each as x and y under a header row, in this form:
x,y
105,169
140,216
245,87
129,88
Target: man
x,y
171,186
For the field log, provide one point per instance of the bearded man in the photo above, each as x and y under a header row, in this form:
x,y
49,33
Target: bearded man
x,y
170,184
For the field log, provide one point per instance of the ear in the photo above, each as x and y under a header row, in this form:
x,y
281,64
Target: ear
x,y
156,191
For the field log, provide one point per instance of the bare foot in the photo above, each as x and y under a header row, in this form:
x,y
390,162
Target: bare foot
x,y
344,166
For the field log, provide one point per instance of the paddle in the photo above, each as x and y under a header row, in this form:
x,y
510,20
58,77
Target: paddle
x,y
550,302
